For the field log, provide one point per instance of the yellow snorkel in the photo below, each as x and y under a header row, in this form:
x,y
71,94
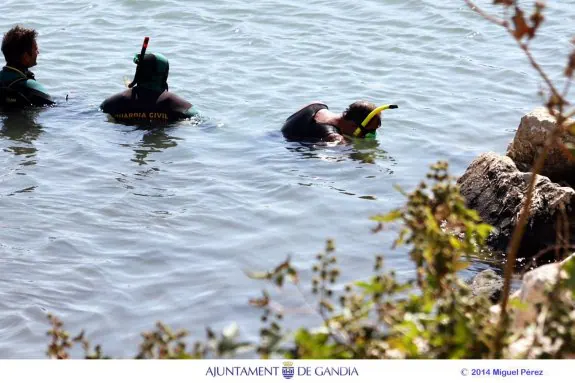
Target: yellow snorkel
x,y
370,116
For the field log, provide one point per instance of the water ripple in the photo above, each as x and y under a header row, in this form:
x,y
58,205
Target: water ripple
x,y
113,228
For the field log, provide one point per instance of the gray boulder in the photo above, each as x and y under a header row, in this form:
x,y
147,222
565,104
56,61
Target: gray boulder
x,y
534,297
487,283
530,137
496,188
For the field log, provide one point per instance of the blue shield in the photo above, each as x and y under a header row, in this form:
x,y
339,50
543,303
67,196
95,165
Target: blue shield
x,y
287,372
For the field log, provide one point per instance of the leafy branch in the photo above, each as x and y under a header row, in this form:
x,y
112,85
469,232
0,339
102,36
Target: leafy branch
x,y
523,30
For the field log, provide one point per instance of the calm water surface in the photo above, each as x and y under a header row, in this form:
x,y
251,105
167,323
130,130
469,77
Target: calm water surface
x,y
113,228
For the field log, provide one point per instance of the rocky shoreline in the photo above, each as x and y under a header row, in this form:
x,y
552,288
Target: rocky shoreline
x,y
495,185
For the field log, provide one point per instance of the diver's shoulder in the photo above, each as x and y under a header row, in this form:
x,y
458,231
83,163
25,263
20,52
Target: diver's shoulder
x,y
315,104
177,100
116,98
312,107
34,85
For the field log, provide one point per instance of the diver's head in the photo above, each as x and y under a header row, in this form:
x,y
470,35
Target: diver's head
x,y
357,112
19,47
152,72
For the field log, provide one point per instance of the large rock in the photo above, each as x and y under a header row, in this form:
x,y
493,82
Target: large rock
x,y
534,291
529,139
534,297
494,187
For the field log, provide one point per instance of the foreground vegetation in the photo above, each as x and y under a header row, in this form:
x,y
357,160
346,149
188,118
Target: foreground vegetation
x,y
433,315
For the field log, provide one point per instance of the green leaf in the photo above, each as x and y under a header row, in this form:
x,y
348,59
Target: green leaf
x,y
517,304
462,333
293,275
401,239
428,255
400,190
431,222
454,242
473,214
369,288
394,215
315,345
428,306
364,285
569,267
460,266
279,281
483,230
571,148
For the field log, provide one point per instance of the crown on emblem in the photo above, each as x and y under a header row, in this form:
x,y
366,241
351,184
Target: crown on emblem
x,y
288,364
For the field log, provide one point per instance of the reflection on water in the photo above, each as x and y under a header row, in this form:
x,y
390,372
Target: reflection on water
x,y
153,141
365,151
21,128
324,183
156,138
25,190
96,244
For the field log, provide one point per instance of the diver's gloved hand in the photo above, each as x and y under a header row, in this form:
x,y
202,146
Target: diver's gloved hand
x,y
192,112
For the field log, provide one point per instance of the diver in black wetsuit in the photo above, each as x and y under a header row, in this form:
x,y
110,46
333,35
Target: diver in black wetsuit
x,y
316,123
18,87
148,99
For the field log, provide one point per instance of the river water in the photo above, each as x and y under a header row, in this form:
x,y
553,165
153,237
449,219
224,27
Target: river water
x,y
112,228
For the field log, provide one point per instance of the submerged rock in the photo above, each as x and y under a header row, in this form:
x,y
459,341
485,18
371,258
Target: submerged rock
x,y
530,137
487,283
496,188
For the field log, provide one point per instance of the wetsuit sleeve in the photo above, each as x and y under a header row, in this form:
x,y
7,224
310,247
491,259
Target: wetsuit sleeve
x,y
302,126
34,92
323,131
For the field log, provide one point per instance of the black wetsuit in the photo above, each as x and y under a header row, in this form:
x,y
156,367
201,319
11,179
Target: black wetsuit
x,y
18,89
137,105
301,126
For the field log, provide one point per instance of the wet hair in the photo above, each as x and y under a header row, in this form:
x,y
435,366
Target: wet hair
x,y
358,111
16,42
